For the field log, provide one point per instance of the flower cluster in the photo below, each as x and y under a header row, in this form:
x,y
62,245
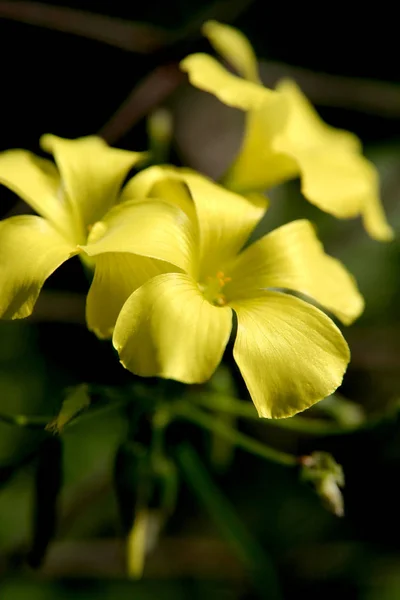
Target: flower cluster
x,y
169,249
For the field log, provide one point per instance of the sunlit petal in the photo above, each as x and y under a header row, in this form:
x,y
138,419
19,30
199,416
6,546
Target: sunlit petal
x,y
290,354
292,257
153,229
258,166
36,181
92,174
167,328
163,182
116,276
374,218
209,75
234,47
225,219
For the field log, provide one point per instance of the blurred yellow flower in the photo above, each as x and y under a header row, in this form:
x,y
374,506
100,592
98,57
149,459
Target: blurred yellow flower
x,y
285,137
177,324
71,196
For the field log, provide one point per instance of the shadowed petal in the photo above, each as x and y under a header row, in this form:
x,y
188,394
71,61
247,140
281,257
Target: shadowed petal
x,y
116,276
335,176
31,249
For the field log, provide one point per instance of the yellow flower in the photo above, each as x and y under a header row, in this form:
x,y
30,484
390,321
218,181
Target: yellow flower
x,y
285,137
71,198
177,325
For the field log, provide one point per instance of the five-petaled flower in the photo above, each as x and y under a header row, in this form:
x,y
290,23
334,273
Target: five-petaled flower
x,y
285,137
177,324
71,196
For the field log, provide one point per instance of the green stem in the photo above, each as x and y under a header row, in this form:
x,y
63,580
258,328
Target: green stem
x,y
193,414
33,422
244,409
232,528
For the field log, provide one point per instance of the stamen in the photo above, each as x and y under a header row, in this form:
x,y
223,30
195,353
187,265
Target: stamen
x,y
212,290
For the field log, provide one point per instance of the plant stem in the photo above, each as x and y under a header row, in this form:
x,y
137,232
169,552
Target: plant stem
x,y
241,408
193,414
232,528
32,422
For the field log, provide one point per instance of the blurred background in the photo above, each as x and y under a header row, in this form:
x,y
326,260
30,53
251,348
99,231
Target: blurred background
x,y
73,71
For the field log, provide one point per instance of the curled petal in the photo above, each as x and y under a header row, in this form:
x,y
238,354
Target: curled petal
x,y
162,183
224,219
234,47
153,229
257,165
36,181
334,174
31,249
167,329
92,174
374,218
290,354
208,75
292,257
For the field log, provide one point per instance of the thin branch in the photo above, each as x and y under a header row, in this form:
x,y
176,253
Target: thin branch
x,y
202,419
363,95
144,98
296,424
120,33
133,37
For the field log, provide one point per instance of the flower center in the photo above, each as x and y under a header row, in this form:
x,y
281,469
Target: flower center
x,y
212,288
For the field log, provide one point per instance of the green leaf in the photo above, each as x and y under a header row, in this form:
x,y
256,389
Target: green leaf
x,y
77,400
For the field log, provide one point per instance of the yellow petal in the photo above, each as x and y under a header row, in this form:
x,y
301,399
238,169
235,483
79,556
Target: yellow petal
x,y
162,182
153,229
290,354
92,174
284,137
234,47
292,257
258,165
225,220
37,182
30,250
306,128
208,75
167,328
374,218
334,174
274,138
116,276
